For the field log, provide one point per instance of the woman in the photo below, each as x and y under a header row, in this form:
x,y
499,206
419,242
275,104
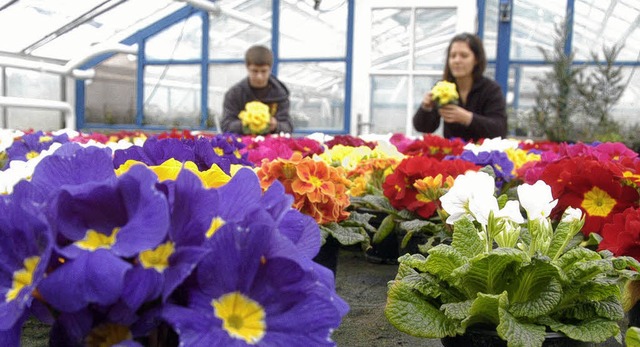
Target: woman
x,y
481,112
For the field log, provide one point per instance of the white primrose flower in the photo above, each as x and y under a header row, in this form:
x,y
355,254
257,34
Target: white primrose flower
x,y
537,200
572,215
495,144
481,206
468,186
511,211
6,138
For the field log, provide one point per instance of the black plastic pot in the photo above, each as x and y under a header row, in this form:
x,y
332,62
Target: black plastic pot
x,y
480,337
328,255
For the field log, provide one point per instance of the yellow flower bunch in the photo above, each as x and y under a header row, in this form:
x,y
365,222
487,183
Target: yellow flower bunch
x,y
444,93
255,117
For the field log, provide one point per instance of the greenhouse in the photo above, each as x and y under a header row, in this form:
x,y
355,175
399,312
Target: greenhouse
x,y
355,68
435,173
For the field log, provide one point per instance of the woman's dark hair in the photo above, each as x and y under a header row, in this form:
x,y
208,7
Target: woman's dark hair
x,y
258,55
475,44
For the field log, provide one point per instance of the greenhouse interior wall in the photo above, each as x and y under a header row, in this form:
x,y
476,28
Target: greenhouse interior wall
x,y
352,67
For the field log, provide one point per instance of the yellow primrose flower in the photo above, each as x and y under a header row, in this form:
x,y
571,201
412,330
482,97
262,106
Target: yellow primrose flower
x,y
520,157
255,117
444,93
345,156
169,170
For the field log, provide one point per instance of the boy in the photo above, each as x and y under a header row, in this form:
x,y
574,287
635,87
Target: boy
x,y
259,85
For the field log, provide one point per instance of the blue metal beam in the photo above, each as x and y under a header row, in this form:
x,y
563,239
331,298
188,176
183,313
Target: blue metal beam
x,y
349,67
481,6
204,68
275,35
505,11
569,26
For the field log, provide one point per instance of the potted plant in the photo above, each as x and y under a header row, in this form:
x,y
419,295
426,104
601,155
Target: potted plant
x,y
522,280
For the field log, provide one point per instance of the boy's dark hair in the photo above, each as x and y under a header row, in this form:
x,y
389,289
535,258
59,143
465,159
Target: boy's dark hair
x,y
475,44
258,55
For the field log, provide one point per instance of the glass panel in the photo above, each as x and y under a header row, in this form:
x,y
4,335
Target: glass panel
x,y
33,84
533,27
221,78
389,95
325,29
602,23
113,25
110,98
172,95
390,39
317,94
434,29
521,99
26,119
35,19
182,40
233,31
490,36
627,110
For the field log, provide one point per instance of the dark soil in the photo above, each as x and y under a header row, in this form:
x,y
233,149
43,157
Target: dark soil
x,y
364,286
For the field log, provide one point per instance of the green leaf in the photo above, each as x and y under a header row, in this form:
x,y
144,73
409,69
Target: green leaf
x,y
345,235
466,239
361,219
574,256
535,290
632,337
417,225
429,286
599,289
379,203
586,271
595,330
443,260
561,239
410,313
490,273
484,310
457,310
385,229
519,333
582,309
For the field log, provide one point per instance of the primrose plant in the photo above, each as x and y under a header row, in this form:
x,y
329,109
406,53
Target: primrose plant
x,y
521,277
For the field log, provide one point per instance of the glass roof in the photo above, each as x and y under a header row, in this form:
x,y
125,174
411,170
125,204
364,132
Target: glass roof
x,y
65,29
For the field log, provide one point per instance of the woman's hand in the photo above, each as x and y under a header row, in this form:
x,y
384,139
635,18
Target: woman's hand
x,y
427,102
455,114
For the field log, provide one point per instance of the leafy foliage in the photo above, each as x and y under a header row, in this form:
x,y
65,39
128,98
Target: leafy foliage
x,y
577,292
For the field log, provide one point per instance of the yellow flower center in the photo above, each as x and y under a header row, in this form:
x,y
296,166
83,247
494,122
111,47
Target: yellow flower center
x,y
94,240
315,181
31,155
216,224
45,138
23,277
242,317
157,258
597,202
289,171
219,151
106,335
